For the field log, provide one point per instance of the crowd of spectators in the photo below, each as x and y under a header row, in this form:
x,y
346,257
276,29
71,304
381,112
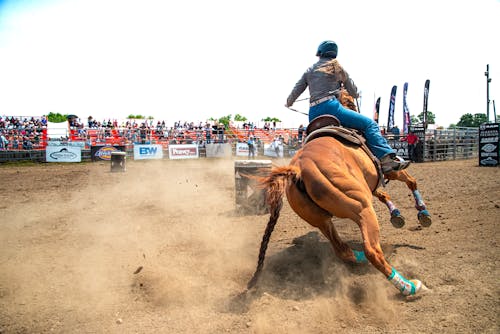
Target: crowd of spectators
x,y
147,131
21,132
18,132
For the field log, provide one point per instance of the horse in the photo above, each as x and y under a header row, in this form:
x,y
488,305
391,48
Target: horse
x,y
329,178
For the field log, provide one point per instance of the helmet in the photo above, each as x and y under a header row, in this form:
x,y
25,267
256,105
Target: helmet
x,y
327,49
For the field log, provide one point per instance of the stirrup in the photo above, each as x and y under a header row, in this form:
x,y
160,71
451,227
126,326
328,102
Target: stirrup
x,y
395,164
401,163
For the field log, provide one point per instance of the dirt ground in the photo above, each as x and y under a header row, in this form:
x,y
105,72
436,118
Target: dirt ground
x,y
159,249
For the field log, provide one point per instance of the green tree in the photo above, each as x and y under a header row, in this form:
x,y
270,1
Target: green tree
x,y
225,120
414,119
472,121
131,116
431,118
56,117
238,117
271,119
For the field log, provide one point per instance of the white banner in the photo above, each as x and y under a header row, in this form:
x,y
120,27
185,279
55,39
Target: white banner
x,y
142,152
63,154
66,143
271,150
57,130
242,149
187,151
218,150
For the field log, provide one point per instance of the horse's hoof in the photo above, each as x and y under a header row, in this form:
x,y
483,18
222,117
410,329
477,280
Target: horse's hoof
x,y
420,288
424,218
397,220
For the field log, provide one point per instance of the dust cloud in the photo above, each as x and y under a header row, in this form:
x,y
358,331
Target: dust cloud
x,y
160,246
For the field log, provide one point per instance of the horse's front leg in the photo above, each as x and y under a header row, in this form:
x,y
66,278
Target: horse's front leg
x,y
423,215
368,224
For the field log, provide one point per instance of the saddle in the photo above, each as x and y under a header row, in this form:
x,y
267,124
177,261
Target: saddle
x,y
329,126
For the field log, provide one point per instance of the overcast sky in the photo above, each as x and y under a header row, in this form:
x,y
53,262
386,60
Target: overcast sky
x,y
192,60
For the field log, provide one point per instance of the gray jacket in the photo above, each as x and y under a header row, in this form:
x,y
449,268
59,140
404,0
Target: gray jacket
x,y
323,78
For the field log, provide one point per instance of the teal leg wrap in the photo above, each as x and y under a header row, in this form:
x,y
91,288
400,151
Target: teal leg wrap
x,y
402,284
360,256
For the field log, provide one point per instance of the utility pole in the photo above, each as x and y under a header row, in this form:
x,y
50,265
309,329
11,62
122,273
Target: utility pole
x,y
494,113
488,80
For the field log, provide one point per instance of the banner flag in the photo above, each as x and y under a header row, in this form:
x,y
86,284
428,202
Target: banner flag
x,y
406,111
426,100
376,111
392,103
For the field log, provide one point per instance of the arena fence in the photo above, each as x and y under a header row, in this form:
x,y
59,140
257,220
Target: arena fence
x,y
435,145
441,144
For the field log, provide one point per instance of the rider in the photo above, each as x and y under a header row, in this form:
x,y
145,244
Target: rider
x,y
324,79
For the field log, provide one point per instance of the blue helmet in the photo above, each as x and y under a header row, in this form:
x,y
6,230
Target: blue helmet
x,y
327,49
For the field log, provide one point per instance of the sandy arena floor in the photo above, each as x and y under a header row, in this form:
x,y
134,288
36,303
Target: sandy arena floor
x,y
158,249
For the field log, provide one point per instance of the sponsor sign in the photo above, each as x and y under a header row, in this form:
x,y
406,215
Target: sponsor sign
x,y
489,144
143,152
401,148
187,151
103,152
66,143
242,149
219,150
271,150
63,154
419,131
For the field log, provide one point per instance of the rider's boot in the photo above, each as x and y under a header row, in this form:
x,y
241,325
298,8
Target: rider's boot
x,y
392,162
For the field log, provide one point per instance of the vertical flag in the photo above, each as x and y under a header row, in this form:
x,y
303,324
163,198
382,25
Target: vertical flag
x,y
376,111
406,111
426,99
392,103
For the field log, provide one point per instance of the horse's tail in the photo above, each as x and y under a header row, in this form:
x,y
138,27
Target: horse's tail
x,y
275,185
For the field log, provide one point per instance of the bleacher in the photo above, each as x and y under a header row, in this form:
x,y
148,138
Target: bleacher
x,y
266,136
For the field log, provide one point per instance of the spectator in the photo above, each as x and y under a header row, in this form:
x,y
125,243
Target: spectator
x,y
251,147
395,131
301,131
276,144
412,140
4,143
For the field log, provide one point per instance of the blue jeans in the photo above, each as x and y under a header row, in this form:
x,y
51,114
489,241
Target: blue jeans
x,y
351,119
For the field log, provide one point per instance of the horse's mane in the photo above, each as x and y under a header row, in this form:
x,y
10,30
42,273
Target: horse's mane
x,y
347,100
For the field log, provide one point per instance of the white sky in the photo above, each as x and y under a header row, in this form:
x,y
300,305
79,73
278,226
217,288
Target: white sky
x,y
196,59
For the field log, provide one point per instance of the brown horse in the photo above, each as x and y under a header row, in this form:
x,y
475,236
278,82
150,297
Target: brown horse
x,y
328,178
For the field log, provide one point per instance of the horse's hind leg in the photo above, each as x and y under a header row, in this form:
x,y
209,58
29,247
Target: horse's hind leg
x,y
321,219
423,215
397,220
341,248
368,224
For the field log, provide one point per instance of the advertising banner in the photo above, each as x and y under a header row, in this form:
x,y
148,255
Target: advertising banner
x,y
376,111
426,101
63,154
187,151
242,149
218,150
406,111
392,105
489,143
144,152
273,150
103,152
